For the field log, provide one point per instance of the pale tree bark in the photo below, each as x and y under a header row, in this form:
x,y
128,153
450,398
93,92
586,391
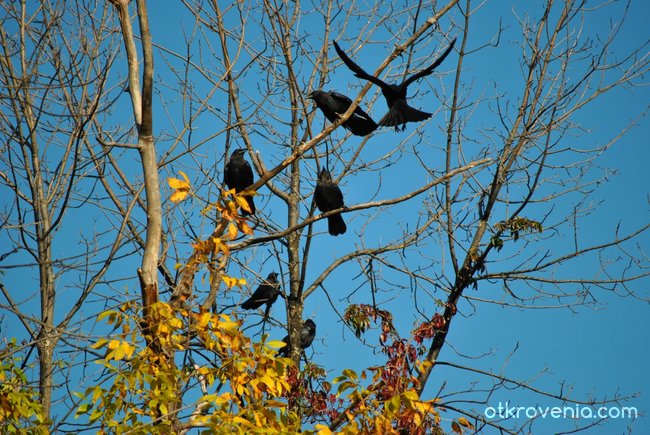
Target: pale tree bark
x,y
141,98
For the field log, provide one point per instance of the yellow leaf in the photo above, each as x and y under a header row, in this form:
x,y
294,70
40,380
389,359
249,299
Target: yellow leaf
x,y
242,202
455,427
127,349
226,193
410,395
224,398
242,421
464,422
422,407
232,230
276,344
175,323
322,429
100,343
224,248
230,282
181,187
175,183
244,228
178,195
105,314
203,247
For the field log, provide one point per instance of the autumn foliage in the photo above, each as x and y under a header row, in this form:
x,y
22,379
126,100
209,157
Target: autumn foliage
x,y
233,383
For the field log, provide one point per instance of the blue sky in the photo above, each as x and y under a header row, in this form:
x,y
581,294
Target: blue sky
x,y
595,351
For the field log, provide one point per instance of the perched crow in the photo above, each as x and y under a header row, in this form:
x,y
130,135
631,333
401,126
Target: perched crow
x,y
399,112
266,293
334,105
328,197
238,175
307,334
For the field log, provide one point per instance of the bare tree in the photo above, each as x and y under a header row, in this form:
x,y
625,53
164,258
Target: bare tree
x,y
54,88
77,110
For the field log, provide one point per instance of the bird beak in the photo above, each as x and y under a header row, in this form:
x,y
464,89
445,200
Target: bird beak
x,y
310,95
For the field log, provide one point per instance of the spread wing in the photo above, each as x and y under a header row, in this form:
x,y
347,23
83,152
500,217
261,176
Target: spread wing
x,y
429,70
356,69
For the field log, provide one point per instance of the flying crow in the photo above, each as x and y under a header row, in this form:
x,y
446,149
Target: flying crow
x,y
399,112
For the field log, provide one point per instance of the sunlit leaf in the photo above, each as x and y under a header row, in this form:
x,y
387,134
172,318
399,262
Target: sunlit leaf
x,y
181,187
276,344
232,230
178,195
322,429
230,282
243,203
176,183
464,422
244,228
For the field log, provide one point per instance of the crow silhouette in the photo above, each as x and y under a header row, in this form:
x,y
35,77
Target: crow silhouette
x,y
266,293
399,112
238,175
333,105
328,197
307,334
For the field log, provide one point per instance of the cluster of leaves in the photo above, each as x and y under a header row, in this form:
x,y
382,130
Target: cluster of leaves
x,y
514,226
142,380
369,412
426,330
360,316
391,403
311,395
227,213
262,394
214,250
142,390
19,405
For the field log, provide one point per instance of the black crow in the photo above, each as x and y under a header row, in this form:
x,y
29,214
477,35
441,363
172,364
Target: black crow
x,y
266,293
328,197
399,112
307,334
334,105
238,175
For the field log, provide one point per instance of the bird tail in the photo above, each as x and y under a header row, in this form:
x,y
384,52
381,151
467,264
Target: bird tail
x,y
251,304
251,205
336,225
360,126
400,114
